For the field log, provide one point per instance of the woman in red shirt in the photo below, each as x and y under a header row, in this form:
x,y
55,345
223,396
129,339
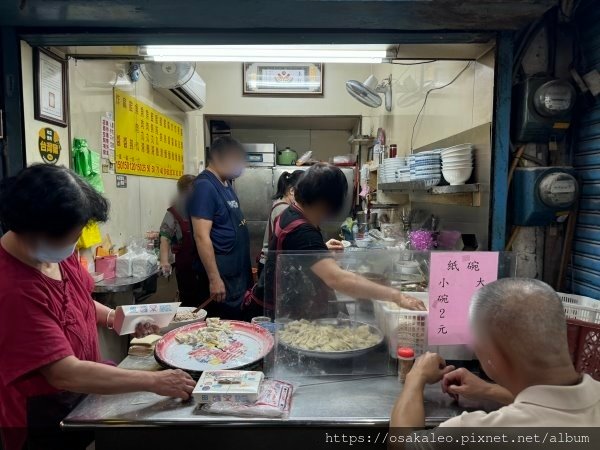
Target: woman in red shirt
x,y
48,318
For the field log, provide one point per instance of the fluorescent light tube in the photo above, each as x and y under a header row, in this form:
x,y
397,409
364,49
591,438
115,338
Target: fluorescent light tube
x,y
266,53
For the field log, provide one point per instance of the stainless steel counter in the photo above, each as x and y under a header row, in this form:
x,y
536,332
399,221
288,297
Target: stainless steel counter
x,y
328,401
122,284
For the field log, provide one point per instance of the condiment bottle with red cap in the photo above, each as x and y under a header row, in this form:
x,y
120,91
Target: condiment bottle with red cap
x,y
406,359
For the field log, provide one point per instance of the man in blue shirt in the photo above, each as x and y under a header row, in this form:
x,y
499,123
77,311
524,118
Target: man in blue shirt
x,y
220,230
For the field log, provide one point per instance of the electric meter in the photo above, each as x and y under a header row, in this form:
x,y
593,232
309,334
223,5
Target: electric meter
x,y
554,98
558,190
543,195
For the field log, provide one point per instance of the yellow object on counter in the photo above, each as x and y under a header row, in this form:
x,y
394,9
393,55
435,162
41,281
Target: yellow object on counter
x,y
90,236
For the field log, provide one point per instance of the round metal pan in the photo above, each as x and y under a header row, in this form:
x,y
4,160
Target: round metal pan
x,y
343,354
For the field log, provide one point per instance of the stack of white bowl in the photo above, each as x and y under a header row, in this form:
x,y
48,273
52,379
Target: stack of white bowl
x,y
425,167
457,163
403,172
391,169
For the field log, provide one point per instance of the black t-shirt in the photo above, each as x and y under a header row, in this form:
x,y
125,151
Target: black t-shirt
x,y
304,295
304,238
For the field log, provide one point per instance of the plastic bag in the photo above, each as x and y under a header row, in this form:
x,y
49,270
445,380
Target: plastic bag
x,y
87,164
125,265
274,400
107,266
135,245
304,158
90,236
144,264
81,157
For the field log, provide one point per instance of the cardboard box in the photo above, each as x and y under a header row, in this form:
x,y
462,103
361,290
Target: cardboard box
x,y
128,316
228,386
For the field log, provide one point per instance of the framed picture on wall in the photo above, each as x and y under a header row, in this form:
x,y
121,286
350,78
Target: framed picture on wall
x,y
283,79
50,88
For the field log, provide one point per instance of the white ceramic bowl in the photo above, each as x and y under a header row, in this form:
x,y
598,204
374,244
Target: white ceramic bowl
x,y
458,147
458,165
388,242
428,166
429,152
363,243
459,161
426,159
457,158
406,267
457,176
453,158
457,154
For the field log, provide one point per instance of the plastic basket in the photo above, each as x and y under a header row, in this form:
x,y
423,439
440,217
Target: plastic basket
x,y
584,346
403,327
406,328
581,308
380,314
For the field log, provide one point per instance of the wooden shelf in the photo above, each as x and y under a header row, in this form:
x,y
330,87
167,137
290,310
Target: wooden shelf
x,y
464,194
409,186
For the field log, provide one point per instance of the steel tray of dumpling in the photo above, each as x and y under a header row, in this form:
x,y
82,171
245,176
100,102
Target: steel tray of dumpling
x,y
330,338
213,345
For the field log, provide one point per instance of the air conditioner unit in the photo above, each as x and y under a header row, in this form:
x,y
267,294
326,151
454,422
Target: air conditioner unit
x,y
179,82
189,96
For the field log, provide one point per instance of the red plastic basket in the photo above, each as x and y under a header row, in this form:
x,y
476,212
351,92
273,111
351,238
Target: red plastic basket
x,y
584,346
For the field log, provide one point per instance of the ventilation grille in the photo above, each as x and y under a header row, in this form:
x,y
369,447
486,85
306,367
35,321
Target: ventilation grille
x,y
185,97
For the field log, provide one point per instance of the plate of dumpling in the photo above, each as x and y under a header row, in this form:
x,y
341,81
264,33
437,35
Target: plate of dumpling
x,y
330,338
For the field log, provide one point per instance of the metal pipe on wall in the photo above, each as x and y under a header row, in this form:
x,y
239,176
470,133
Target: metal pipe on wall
x,y
501,139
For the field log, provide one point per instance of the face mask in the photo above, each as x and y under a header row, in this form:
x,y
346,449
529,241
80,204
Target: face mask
x,y
47,254
237,172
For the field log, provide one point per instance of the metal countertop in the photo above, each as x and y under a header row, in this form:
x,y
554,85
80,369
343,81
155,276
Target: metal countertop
x,y
323,401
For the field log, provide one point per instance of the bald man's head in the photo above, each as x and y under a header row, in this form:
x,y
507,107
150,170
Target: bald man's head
x,y
524,319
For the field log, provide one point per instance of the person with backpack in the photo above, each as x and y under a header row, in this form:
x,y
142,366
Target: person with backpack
x,y
318,195
281,200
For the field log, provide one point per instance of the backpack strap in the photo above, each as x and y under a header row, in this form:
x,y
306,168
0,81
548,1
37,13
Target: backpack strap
x,y
183,223
281,233
275,205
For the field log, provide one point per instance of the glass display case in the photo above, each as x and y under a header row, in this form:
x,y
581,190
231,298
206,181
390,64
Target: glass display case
x,y
321,331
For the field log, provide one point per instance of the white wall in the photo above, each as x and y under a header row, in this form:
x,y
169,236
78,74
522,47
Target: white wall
x,y
224,96
32,126
464,104
139,207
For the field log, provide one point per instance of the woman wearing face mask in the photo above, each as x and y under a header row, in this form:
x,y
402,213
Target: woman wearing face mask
x,y
281,200
48,319
319,194
220,230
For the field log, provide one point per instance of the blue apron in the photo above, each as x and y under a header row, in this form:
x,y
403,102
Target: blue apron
x,y
234,265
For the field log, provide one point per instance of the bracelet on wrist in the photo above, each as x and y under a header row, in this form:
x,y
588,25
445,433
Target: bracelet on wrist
x,y
108,324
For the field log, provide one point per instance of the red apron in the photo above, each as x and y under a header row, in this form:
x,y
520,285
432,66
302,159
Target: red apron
x,y
185,252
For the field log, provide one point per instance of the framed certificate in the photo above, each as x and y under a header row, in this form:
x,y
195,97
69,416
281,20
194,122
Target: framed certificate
x,y
50,88
283,80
